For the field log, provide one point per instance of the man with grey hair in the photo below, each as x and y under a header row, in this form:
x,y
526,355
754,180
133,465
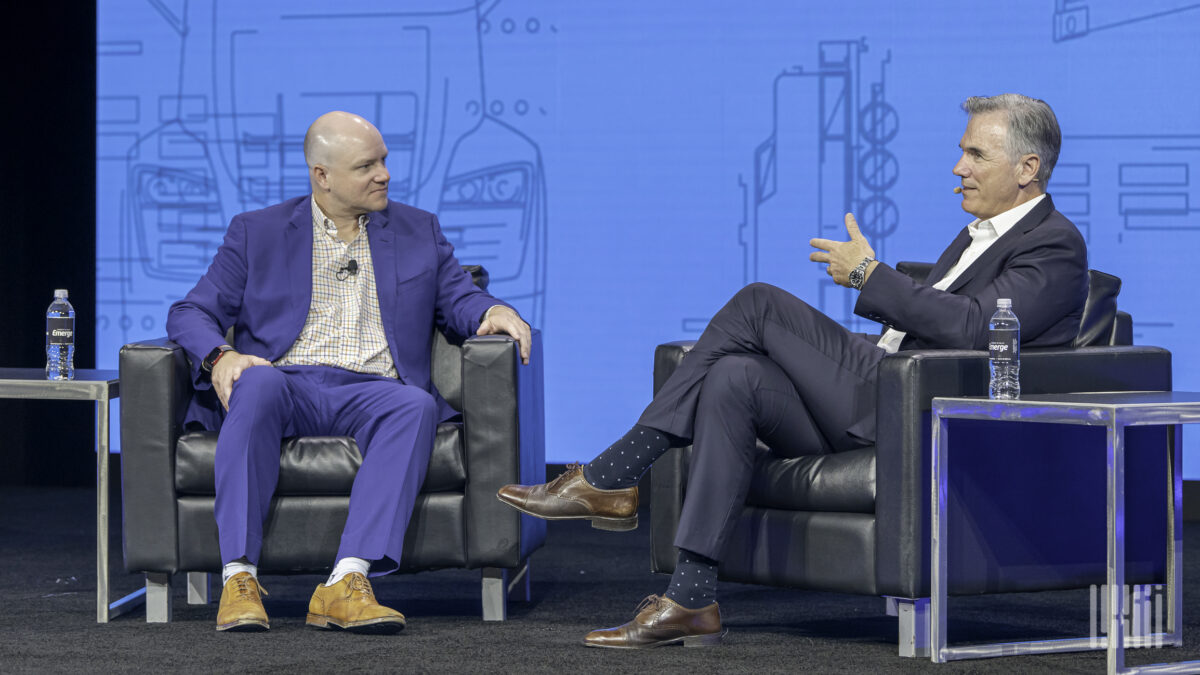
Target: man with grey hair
x,y
770,366
333,297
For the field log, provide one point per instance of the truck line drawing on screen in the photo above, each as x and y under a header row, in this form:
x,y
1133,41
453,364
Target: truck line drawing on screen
x,y
1130,188
827,154
203,111
1079,18
1129,191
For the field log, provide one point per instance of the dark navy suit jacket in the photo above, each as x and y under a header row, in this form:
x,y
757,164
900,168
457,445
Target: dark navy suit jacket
x,y
260,283
1040,263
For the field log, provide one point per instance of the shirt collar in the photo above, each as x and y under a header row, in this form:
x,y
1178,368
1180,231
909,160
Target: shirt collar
x,y
323,222
1004,222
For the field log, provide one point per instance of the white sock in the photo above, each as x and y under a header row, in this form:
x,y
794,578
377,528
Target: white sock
x,y
346,566
235,567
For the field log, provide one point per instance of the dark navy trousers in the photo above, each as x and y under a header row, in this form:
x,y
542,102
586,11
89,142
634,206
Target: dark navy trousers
x,y
393,424
767,366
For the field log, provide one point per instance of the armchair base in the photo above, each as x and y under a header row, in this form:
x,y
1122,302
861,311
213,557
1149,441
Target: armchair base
x,y
913,616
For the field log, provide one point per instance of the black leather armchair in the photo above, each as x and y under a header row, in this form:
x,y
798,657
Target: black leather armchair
x,y
167,476
858,521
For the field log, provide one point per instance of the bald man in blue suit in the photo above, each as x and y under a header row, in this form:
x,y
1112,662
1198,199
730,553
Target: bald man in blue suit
x,y
333,298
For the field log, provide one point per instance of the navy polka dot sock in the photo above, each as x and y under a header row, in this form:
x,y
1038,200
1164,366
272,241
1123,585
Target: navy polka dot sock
x,y
624,462
694,584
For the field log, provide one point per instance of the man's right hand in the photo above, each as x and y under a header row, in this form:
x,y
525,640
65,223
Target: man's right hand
x,y
228,369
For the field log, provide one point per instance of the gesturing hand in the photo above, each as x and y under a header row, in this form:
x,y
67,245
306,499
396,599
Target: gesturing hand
x,y
841,257
229,369
501,319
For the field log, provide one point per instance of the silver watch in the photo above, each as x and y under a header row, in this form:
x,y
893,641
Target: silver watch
x,y
859,274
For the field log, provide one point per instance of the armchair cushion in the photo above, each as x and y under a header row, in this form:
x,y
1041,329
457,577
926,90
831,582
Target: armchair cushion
x,y
840,482
317,465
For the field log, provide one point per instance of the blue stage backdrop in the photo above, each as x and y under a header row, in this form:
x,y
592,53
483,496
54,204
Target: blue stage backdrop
x,y
623,166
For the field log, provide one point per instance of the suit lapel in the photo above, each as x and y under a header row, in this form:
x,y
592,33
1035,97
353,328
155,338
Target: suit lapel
x,y
381,237
950,256
1004,243
298,251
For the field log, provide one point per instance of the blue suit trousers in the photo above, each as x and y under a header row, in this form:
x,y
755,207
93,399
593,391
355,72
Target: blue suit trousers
x,y
393,424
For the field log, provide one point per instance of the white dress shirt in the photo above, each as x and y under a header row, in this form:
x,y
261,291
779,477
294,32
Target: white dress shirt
x,y
983,234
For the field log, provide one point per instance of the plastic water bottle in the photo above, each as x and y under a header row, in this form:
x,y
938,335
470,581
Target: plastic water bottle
x,y
1004,345
60,338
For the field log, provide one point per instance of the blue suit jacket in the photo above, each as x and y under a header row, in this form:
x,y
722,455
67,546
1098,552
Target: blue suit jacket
x,y
260,283
1041,264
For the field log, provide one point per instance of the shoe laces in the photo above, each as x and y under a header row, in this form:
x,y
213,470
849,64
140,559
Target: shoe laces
x,y
564,476
359,584
242,587
651,601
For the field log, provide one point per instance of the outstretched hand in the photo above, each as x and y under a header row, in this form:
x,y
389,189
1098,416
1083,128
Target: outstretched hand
x,y
502,319
841,257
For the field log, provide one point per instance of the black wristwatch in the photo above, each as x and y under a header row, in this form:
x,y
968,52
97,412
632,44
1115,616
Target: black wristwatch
x,y
215,355
858,275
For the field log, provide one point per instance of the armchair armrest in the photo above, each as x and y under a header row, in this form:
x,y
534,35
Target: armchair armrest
x,y
505,443
155,388
908,382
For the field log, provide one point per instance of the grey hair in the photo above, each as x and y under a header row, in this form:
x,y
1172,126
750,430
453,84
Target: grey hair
x,y
1032,128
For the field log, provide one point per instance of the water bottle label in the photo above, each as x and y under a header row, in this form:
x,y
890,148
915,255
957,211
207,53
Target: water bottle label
x,y
60,330
1004,345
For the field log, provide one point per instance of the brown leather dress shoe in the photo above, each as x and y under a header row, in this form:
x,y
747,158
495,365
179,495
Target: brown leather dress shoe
x,y
661,621
350,605
571,497
241,607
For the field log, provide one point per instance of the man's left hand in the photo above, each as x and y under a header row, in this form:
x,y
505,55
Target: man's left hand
x,y
841,257
502,319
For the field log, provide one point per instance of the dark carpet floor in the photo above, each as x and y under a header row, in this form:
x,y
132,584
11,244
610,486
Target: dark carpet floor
x,y
582,579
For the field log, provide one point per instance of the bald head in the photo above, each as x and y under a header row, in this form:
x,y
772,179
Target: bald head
x,y
336,132
347,165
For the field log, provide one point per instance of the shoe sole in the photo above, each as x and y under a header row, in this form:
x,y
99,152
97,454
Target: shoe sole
x,y
709,640
244,626
383,626
608,524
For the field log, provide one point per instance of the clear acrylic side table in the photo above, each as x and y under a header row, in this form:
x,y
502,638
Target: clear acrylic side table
x,y
1115,411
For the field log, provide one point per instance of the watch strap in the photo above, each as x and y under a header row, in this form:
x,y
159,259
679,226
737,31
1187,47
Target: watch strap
x,y
858,275
215,355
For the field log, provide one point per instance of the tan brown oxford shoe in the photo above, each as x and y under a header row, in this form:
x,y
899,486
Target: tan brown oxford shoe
x,y
241,607
661,621
571,497
350,605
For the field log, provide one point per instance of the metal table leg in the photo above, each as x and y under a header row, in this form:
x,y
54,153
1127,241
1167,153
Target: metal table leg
x,y
937,531
105,611
102,511
1174,636
1116,546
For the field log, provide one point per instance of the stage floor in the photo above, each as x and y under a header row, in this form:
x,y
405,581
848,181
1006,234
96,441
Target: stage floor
x,y
583,579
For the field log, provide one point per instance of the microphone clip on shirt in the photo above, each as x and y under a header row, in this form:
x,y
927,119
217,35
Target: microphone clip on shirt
x,y
348,270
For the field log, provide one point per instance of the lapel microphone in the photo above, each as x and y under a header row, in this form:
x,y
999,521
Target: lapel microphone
x,y
348,270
